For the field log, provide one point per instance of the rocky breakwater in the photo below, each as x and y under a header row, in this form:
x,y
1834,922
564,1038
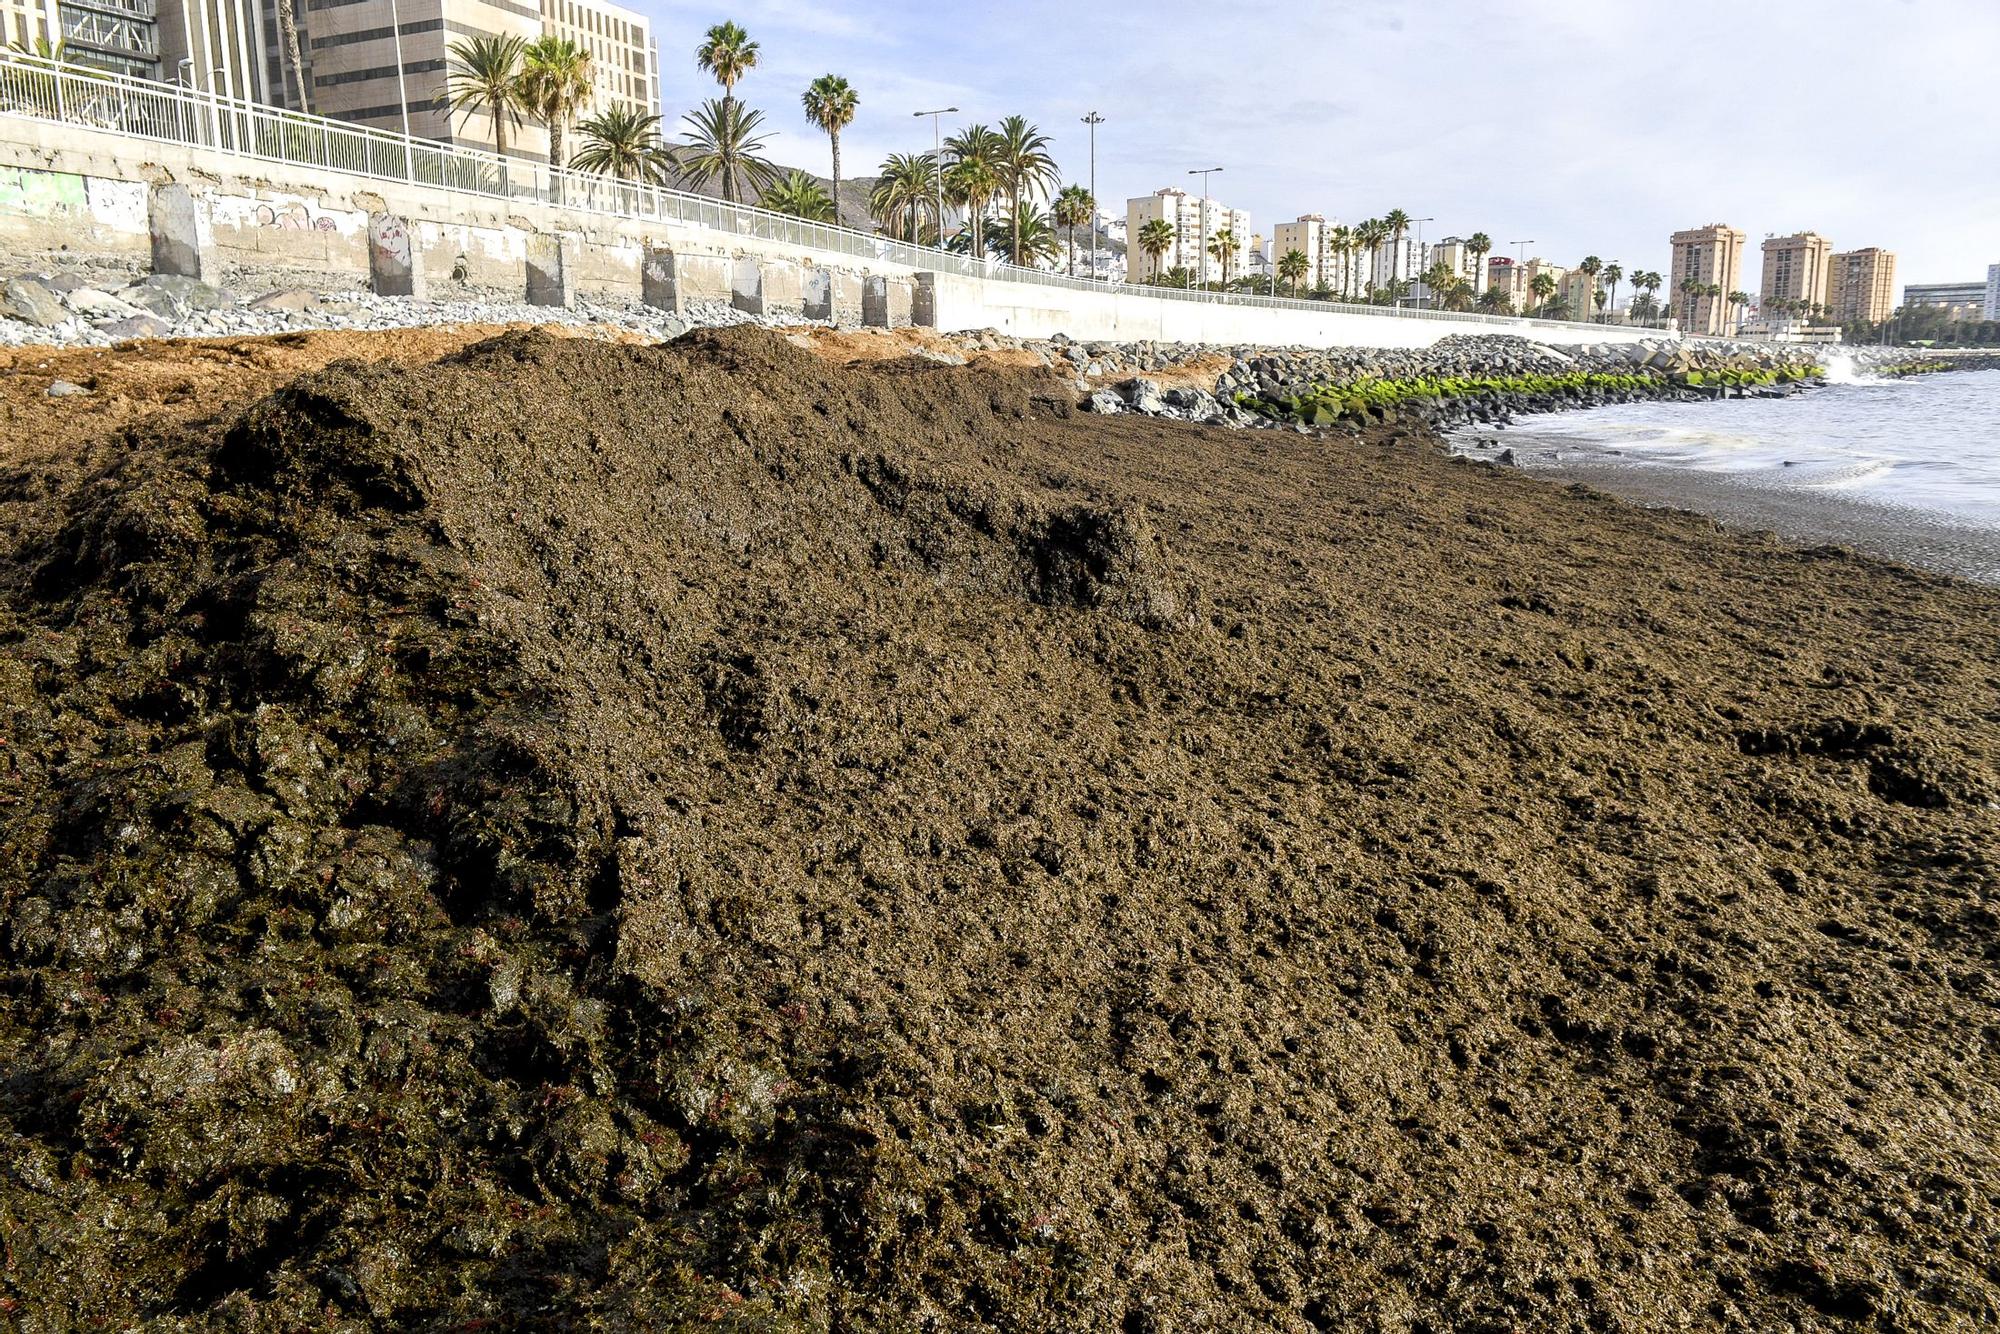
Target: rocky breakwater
x,y
1465,381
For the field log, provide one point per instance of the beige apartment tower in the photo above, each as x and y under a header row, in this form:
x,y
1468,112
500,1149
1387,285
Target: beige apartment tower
x,y
1712,258
1861,285
1311,236
1795,273
1195,225
352,59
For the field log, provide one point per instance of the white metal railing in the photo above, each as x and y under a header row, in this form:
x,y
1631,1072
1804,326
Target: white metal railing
x,y
31,86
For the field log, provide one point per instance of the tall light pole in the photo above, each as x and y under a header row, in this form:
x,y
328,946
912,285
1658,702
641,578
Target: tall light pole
x,y
1093,120
937,160
1420,255
1201,240
402,92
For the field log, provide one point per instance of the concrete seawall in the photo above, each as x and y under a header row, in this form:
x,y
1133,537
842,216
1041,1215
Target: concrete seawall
x,y
71,191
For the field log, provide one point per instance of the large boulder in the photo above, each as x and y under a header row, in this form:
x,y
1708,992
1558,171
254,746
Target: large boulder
x,y
95,305
296,300
171,296
136,326
31,301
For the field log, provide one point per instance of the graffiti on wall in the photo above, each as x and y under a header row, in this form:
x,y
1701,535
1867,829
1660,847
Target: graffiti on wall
x,y
42,194
293,217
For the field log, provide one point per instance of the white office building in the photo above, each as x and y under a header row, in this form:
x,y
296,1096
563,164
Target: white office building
x,y
1991,311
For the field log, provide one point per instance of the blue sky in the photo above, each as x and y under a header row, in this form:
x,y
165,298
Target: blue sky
x,y
1589,126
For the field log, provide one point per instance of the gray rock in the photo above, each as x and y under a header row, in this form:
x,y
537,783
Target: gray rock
x,y
136,326
1142,395
64,389
1104,401
30,301
170,296
95,305
294,299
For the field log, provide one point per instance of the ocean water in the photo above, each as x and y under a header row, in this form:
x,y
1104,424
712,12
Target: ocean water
x,y
1903,467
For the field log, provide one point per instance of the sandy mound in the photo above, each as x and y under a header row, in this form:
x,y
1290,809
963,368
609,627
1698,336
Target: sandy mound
x,y
696,834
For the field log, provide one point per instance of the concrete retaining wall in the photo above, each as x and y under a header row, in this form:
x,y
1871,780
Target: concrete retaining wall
x,y
88,193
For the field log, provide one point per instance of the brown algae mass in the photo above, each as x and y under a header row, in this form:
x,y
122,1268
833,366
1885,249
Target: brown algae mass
x,y
578,835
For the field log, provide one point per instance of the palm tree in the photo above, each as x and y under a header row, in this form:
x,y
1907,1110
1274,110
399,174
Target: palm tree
x,y
1495,300
830,104
1740,300
1691,290
1223,246
1156,238
1026,239
1612,273
1292,268
1714,293
1370,234
1458,295
1022,161
1340,242
1544,287
1397,223
723,145
1438,279
485,77
1072,209
1590,268
623,142
726,52
903,192
555,80
973,176
288,28
1479,245
800,196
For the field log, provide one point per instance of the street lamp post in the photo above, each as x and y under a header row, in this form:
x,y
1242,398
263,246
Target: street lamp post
x,y
1093,120
1520,267
937,161
1201,239
1421,257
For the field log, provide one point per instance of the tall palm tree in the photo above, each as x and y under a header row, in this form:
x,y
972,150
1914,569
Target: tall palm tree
x,y
1544,287
972,176
903,192
723,145
1072,209
1222,245
1027,239
1741,301
1590,267
1479,245
623,142
485,77
1398,224
1370,234
800,196
1612,273
555,80
1340,243
1021,160
1156,238
1495,300
1691,290
830,104
1292,268
288,29
1438,279
727,53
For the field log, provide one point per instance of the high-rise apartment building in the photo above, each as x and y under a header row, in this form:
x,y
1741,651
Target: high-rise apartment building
x,y
1534,269
1466,263
1795,272
1504,275
1195,224
1861,285
1958,301
1711,257
1311,236
115,35
1990,309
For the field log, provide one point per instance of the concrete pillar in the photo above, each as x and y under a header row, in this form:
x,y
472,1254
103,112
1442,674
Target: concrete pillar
x,y
175,230
746,285
875,301
549,271
393,265
816,294
923,301
659,284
